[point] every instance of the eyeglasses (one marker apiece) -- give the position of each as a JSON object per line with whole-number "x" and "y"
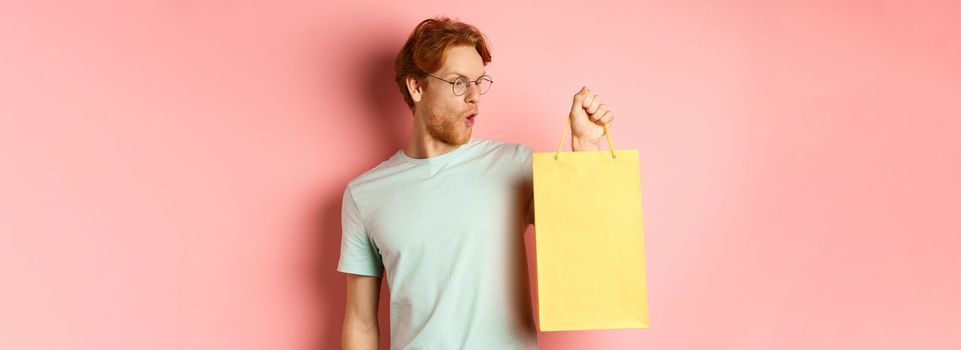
{"x": 459, "y": 85}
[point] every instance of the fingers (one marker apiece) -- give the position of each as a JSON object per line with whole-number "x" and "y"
{"x": 594, "y": 106}
{"x": 607, "y": 118}
{"x": 596, "y": 115}
{"x": 589, "y": 98}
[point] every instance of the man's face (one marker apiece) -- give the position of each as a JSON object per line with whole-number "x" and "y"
{"x": 444, "y": 114}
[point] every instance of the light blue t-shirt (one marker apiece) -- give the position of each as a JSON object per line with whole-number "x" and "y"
{"x": 449, "y": 231}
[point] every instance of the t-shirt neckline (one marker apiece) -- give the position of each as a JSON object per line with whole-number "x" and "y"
{"x": 435, "y": 159}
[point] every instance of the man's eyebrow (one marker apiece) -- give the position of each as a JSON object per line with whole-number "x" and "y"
{"x": 464, "y": 75}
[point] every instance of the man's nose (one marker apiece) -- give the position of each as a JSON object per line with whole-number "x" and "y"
{"x": 473, "y": 93}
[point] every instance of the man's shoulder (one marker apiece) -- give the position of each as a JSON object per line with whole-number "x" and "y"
{"x": 383, "y": 170}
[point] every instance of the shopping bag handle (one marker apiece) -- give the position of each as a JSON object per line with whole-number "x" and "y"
{"x": 567, "y": 123}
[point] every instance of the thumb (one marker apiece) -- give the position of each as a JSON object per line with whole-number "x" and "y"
{"x": 579, "y": 99}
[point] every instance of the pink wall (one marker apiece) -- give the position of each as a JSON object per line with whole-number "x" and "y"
{"x": 172, "y": 170}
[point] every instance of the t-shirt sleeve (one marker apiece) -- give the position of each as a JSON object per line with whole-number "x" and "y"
{"x": 358, "y": 254}
{"x": 527, "y": 176}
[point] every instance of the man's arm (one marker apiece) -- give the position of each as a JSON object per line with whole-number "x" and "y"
{"x": 361, "y": 331}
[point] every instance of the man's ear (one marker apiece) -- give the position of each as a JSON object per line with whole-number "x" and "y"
{"x": 414, "y": 88}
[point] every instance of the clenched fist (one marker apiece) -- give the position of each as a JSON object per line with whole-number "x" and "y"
{"x": 588, "y": 116}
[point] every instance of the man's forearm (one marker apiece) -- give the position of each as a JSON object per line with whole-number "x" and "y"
{"x": 359, "y": 338}
{"x": 584, "y": 145}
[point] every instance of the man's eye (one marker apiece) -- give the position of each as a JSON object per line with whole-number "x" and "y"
{"x": 459, "y": 83}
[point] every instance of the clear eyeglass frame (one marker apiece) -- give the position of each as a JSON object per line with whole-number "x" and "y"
{"x": 459, "y": 85}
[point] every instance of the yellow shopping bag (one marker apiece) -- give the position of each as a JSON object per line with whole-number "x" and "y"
{"x": 589, "y": 239}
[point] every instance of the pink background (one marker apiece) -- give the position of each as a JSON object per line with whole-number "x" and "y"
{"x": 173, "y": 170}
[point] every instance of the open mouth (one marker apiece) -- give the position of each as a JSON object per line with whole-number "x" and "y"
{"x": 470, "y": 119}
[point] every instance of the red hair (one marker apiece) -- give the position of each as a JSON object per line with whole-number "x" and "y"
{"x": 426, "y": 49}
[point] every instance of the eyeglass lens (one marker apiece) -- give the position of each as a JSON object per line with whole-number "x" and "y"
{"x": 461, "y": 83}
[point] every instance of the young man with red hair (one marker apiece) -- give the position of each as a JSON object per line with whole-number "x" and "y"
{"x": 445, "y": 216}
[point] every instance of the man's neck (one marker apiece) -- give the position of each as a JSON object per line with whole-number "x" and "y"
{"x": 426, "y": 147}
{"x": 422, "y": 145}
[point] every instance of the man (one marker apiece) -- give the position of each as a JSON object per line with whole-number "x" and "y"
{"x": 445, "y": 216}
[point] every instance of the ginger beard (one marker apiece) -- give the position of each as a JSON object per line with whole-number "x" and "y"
{"x": 449, "y": 127}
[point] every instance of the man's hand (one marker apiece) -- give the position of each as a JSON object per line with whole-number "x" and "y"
{"x": 588, "y": 116}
